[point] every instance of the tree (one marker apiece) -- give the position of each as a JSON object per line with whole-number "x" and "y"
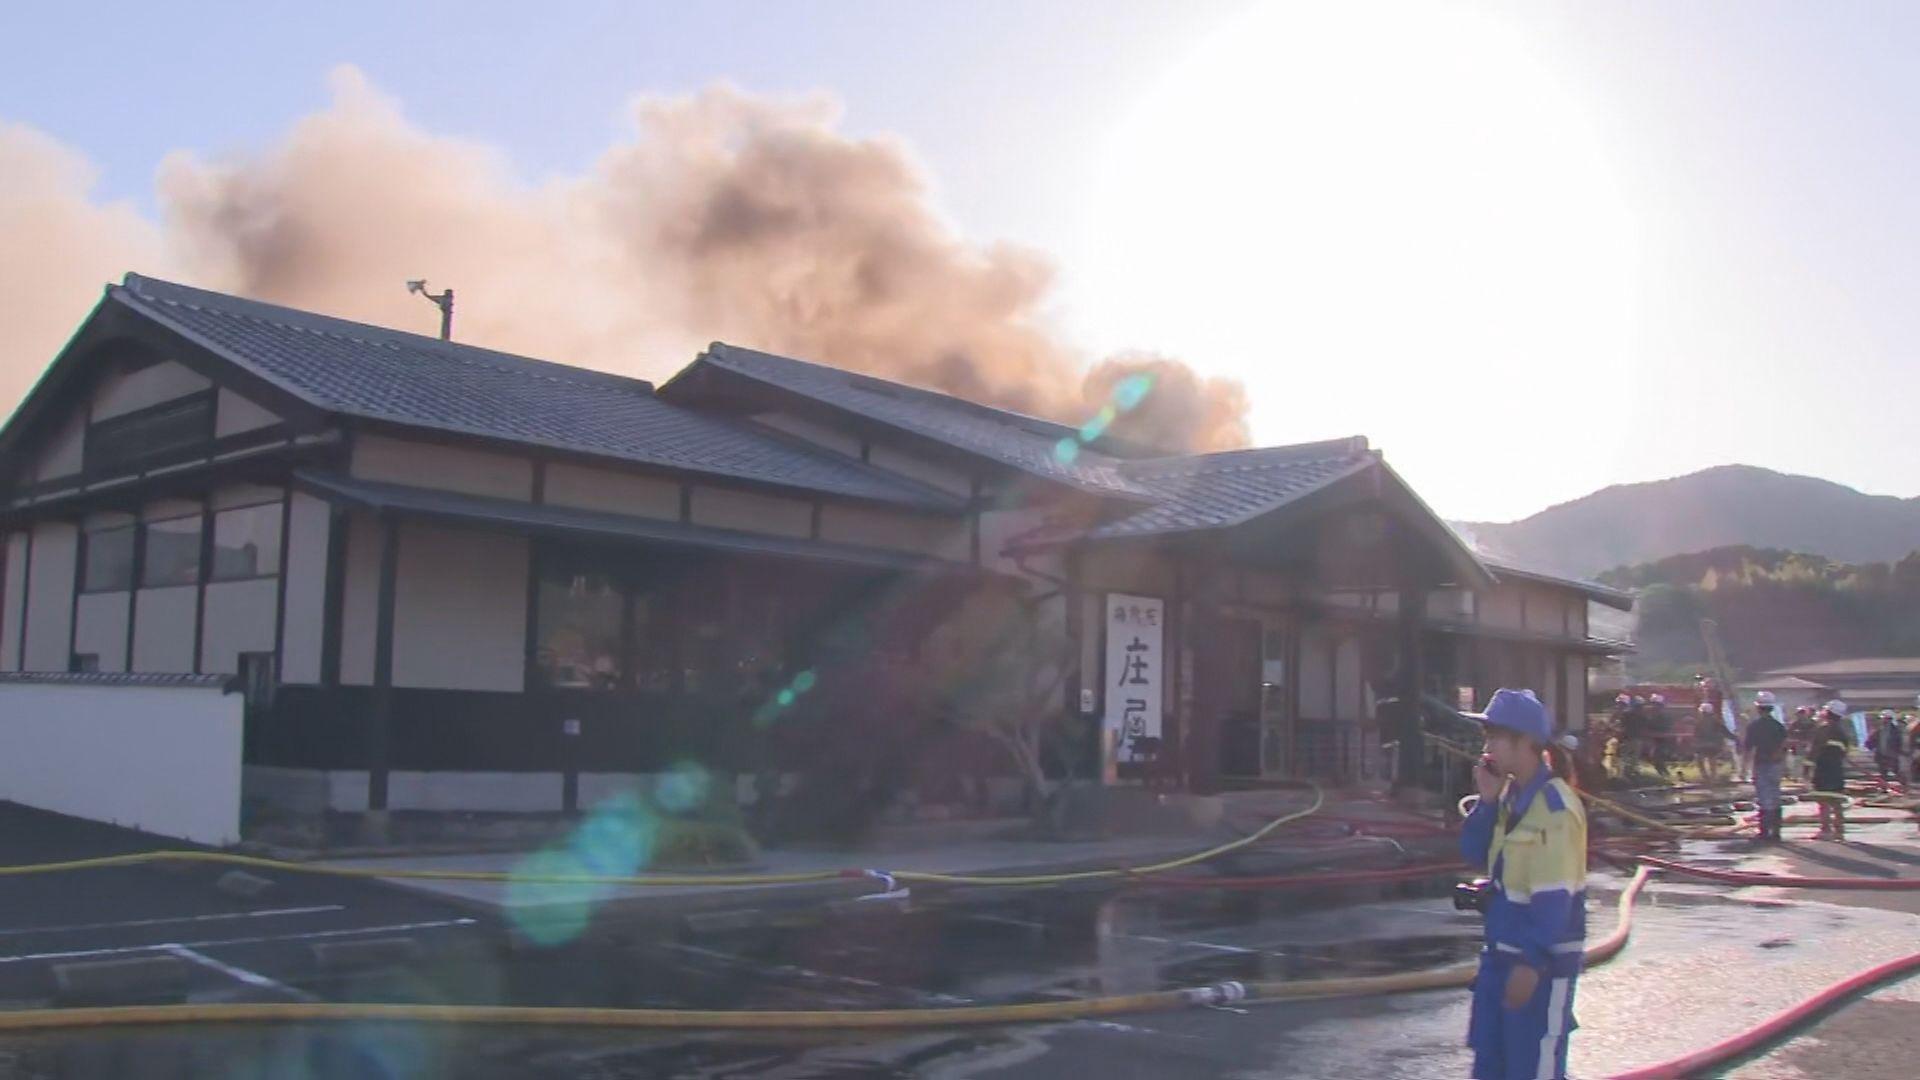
{"x": 1002, "y": 665}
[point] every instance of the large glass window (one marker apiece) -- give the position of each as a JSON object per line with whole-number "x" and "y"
{"x": 581, "y": 626}
{"x": 108, "y": 560}
{"x": 173, "y": 553}
{"x": 246, "y": 542}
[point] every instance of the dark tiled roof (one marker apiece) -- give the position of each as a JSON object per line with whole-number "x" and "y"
{"x": 119, "y": 678}
{"x": 1024, "y": 442}
{"x": 1207, "y": 491}
{"x": 1606, "y": 594}
{"x": 376, "y": 373}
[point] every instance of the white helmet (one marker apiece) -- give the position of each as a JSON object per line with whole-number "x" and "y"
{"x": 1763, "y": 699}
{"x": 1657, "y": 700}
{"x": 1706, "y": 706}
{"x": 1837, "y": 707}
{"x": 1886, "y": 714}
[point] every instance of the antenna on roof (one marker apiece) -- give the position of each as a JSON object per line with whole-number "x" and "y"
{"x": 443, "y": 301}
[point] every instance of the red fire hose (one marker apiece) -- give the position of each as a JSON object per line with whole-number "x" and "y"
{"x": 1743, "y": 877}
{"x": 1710, "y": 1059}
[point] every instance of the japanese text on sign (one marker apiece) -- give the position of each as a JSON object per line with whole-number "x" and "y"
{"x": 1134, "y": 672}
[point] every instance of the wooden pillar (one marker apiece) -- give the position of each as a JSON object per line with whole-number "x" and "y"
{"x": 26, "y": 594}
{"x": 205, "y": 575}
{"x": 334, "y": 605}
{"x": 380, "y": 731}
{"x": 1413, "y": 651}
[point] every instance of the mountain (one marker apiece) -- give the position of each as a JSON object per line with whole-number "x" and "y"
{"x": 1731, "y": 505}
{"x": 1774, "y": 609}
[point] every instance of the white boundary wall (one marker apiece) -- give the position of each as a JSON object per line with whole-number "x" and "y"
{"x": 165, "y": 759}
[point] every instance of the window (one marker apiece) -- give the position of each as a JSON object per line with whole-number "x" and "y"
{"x": 107, "y": 559}
{"x": 173, "y": 553}
{"x": 246, "y": 542}
{"x": 149, "y": 433}
{"x": 85, "y": 661}
{"x": 581, "y": 626}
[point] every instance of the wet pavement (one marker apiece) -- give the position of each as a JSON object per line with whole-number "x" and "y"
{"x": 1704, "y": 962}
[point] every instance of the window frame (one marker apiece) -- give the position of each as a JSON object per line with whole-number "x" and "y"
{"x": 199, "y": 518}
{"x": 210, "y": 573}
{"x": 132, "y": 529}
{"x": 198, "y": 445}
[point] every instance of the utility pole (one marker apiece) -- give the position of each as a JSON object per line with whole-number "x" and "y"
{"x": 443, "y": 301}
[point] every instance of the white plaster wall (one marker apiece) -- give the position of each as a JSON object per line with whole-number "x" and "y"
{"x": 998, "y": 528}
{"x": 10, "y": 596}
{"x": 244, "y": 495}
{"x": 1316, "y": 676}
{"x": 61, "y": 456}
{"x": 102, "y": 628}
{"x": 840, "y": 442}
{"x": 165, "y": 509}
{"x": 313, "y": 790}
{"x": 306, "y": 572}
{"x": 748, "y": 511}
{"x": 163, "y": 628}
{"x": 1576, "y": 707}
{"x": 460, "y": 618}
{"x": 614, "y": 492}
{"x": 921, "y": 534}
{"x": 359, "y": 610}
{"x": 953, "y": 481}
{"x": 1500, "y": 607}
{"x": 56, "y": 547}
{"x": 449, "y": 468}
{"x": 1347, "y": 681}
{"x": 123, "y": 393}
{"x": 163, "y": 759}
{"x": 234, "y": 414}
{"x": 240, "y": 617}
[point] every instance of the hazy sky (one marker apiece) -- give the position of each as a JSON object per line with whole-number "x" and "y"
{"x": 1529, "y": 249}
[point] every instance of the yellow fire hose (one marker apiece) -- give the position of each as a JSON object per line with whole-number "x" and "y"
{"x": 1226, "y": 993}
{"x": 255, "y": 862}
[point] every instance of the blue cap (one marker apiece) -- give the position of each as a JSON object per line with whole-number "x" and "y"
{"x": 1517, "y": 710}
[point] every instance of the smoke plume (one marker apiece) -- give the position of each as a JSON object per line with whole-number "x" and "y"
{"x": 726, "y": 215}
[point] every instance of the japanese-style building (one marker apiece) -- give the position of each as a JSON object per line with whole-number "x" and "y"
{"x": 444, "y": 577}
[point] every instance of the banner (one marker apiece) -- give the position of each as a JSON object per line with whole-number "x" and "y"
{"x": 1134, "y": 672}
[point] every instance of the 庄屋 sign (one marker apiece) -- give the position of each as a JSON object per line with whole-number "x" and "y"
{"x": 1133, "y": 675}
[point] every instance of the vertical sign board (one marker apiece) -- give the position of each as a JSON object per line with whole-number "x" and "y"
{"x": 1134, "y": 676}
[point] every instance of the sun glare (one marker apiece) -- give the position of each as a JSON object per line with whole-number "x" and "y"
{"x": 1384, "y": 219}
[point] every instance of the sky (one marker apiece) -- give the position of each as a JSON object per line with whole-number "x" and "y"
{"x": 1529, "y": 249}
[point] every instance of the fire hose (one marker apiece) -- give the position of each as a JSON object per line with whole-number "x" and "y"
{"x": 1217, "y": 994}
{"x": 1777, "y": 1027}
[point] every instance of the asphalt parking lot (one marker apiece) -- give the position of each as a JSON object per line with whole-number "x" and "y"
{"x": 227, "y": 941}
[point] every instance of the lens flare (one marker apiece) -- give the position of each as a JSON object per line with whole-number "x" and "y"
{"x": 684, "y": 787}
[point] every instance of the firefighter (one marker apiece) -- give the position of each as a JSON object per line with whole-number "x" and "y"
{"x": 1660, "y": 733}
{"x": 1764, "y": 749}
{"x": 1800, "y": 742}
{"x": 1529, "y": 831}
{"x": 1831, "y": 741}
{"x": 1709, "y": 741}
{"x": 1887, "y": 740}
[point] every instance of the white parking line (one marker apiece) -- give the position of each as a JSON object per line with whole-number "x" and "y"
{"x": 251, "y": 978}
{"x": 1025, "y": 924}
{"x": 791, "y": 969}
{"x": 18, "y": 931}
{"x": 76, "y": 953}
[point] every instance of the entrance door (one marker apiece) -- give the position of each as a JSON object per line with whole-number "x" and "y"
{"x": 1231, "y": 694}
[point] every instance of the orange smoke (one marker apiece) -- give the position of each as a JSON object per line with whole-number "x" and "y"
{"x": 727, "y": 216}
